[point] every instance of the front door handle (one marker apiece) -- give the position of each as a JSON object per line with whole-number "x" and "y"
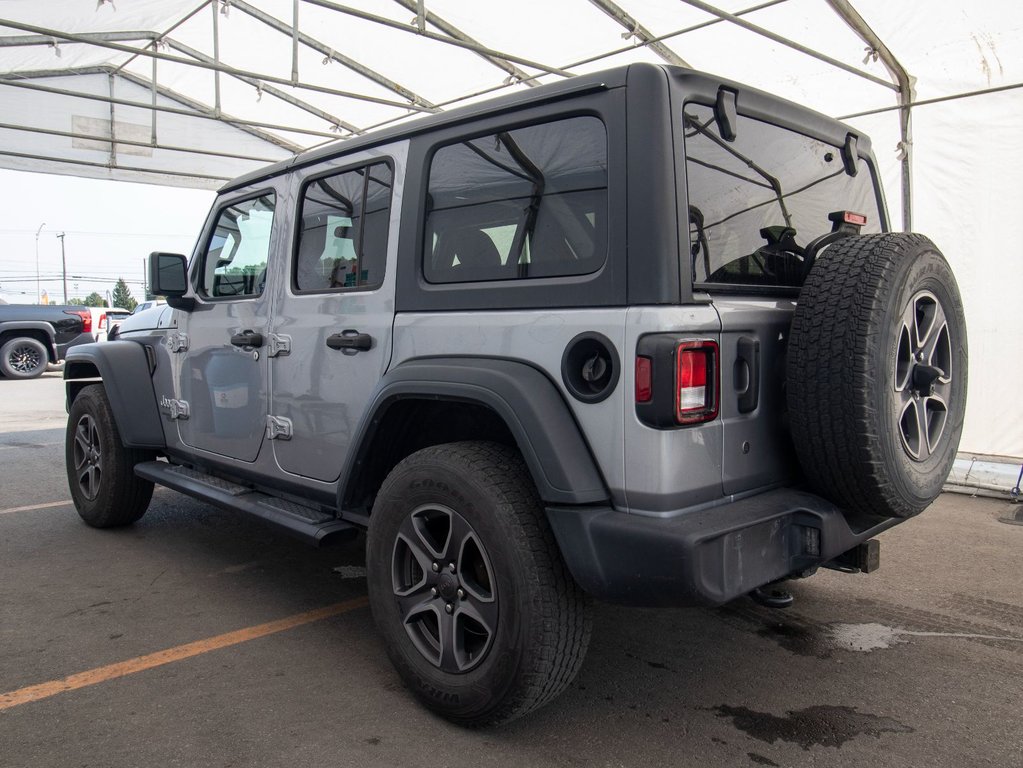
{"x": 350, "y": 340}
{"x": 247, "y": 339}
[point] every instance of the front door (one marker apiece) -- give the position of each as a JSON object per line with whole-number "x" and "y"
{"x": 331, "y": 331}
{"x": 221, "y": 361}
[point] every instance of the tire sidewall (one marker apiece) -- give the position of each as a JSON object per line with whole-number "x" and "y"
{"x": 918, "y": 482}
{"x": 93, "y": 404}
{"x": 472, "y": 693}
{"x": 13, "y": 344}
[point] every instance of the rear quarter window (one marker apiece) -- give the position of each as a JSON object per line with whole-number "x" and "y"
{"x": 517, "y": 204}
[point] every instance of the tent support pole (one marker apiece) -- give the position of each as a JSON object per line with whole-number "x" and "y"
{"x": 330, "y": 54}
{"x": 641, "y": 33}
{"x": 74, "y": 38}
{"x": 294, "y": 42}
{"x": 451, "y": 30}
{"x": 216, "y": 58}
{"x": 153, "y": 139}
{"x": 707, "y": 8}
{"x": 113, "y": 136}
{"x": 905, "y": 83}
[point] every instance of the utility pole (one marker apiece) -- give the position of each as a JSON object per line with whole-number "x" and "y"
{"x": 63, "y": 261}
{"x": 38, "y": 292}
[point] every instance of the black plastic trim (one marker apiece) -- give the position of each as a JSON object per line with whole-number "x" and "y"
{"x": 124, "y": 368}
{"x": 704, "y": 557}
{"x": 551, "y": 442}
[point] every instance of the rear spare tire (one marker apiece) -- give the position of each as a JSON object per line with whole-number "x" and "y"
{"x": 876, "y": 374}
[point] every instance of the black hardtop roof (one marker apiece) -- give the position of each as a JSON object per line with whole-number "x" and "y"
{"x": 611, "y": 78}
{"x": 796, "y": 116}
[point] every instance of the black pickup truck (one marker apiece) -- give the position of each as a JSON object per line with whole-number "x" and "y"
{"x": 32, "y": 336}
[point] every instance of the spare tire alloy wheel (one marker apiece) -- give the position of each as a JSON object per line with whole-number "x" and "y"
{"x": 877, "y": 374}
{"x": 476, "y": 608}
{"x": 23, "y": 358}
{"x": 923, "y": 375}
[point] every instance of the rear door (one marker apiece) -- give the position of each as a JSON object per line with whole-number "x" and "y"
{"x": 755, "y": 202}
{"x": 331, "y": 334}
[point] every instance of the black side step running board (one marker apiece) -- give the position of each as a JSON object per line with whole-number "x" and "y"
{"x": 310, "y": 524}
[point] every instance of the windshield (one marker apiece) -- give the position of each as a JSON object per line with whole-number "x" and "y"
{"x": 756, "y": 202}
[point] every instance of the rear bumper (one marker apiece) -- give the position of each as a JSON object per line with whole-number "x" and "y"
{"x": 702, "y": 557}
{"x": 82, "y": 338}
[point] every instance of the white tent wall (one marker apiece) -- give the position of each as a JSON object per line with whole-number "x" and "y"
{"x": 967, "y": 154}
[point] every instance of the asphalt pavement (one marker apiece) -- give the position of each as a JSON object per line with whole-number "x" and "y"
{"x": 202, "y": 638}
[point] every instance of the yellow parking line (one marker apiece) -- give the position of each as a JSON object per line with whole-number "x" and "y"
{"x": 29, "y": 508}
{"x": 177, "y": 653}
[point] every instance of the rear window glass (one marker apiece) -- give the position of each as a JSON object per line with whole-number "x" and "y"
{"x": 755, "y": 203}
{"x": 342, "y": 238}
{"x": 528, "y": 202}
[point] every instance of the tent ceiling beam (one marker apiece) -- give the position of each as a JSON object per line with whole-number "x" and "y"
{"x": 188, "y": 16}
{"x": 130, "y": 143}
{"x": 638, "y": 31}
{"x": 419, "y": 6}
{"x": 851, "y": 17}
{"x": 197, "y": 110}
{"x": 331, "y": 54}
{"x": 467, "y": 44}
{"x": 208, "y": 66}
{"x": 134, "y": 169}
{"x": 734, "y": 19}
{"x": 270, "y": 90}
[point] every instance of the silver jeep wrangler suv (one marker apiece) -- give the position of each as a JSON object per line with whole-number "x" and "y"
{"x": 640, "y": 336}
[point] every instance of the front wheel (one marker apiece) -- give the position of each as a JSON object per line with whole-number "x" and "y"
{"x": 100, "y": 469}
{"x": 476, "y": 607}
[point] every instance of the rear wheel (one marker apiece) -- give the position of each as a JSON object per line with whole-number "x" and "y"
{"x": 23, "y": 358}
{"x": 476, "y": 607}
{"x": 877, "y": 374}
{"x": 100, "y": 470}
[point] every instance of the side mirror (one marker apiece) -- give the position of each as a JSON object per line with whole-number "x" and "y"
{"x": 168, "y": 276}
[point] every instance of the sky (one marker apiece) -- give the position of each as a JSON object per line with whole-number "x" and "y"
{"x": 110, "y": 228}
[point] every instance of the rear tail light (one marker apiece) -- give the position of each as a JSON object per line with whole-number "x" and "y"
{"x": 86, "y": 317}
{"x": 696, "y": 382}
{"x": 102, "y": 322}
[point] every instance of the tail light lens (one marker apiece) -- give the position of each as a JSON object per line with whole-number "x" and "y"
{"x": 644, "y": 379}
{"x": 696, "y": 382}
{"x": 102, "y": 322}
{"x": 86, "y": 317}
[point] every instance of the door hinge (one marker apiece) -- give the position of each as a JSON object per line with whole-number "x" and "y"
{"x": 176, "y": 409}
{"x": 278, "y": 428}
{"x": 177, "y": 341}
{"x": 279, "y": 344}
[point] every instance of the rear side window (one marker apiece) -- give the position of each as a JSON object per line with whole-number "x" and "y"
{"x": 234, "y": 265}
{"x": 342, "y": 236}
{"x": 522, "y": 203}
{"x": 756, "y": 202}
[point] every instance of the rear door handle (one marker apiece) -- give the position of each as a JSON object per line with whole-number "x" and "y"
{"x": 350, "y": 340}
{"x": 748, "y": 356}
{"x": 247, "y": 339}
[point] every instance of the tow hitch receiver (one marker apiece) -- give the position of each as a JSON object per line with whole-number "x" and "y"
{"x": 863, "y": 558}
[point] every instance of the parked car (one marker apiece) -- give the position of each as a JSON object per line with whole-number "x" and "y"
{"x": 643, "y": 336}
{"x": 147, "y": 305}
{"x": 31, "y": 336}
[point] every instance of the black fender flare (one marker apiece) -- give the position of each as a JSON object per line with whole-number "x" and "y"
{"x": 550, "y": 440}
{"x": 124, "y": 367}
{"x": 34, "y": 325}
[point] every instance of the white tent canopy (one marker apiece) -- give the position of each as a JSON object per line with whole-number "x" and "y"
{"x": 192, "y": 93}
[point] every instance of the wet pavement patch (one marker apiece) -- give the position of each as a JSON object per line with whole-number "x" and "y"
{"x": 820, "y": 725}
{"x": 761, "y": 760}
{"x": 797, "y": 639}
